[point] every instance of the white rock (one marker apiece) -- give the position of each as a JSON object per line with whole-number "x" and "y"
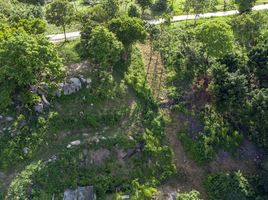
{"x": 76, "y": 142}
{"x": 1, "y": 117}
{"x": 76, "y": 81}
{"x": 125, "y": 197}
{"x": 9, "y": 119}
{"x": 25, "y": 150}
{"x": 88, "y": 80}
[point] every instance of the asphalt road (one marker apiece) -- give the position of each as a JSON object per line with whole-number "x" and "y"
{"x": 55, "y": 38}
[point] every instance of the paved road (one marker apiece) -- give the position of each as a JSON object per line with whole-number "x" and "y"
{"x": 73, "y": 35}
{"x": 55, "y": 38}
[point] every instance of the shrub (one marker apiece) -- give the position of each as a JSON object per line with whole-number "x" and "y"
{"x": 228, "y": 186}
{"x": 160, "y": 5}
{"x": 134, "y": 11}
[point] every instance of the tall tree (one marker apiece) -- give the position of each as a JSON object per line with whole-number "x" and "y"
{"x": 229, "y": 89}
{"x": 61, "y": 13}
{"x": 26, "y": 60}
{"x": 128, "y": 30}
{"x": 103, "y": 46}
{"x": 256, "y": 118}
{"x": 258, "y": 62}
{"x": 248, "y": 27}
{"x": 245, "y": 5}
{"x": 111, "y": 7}
{"x": 216, "y": 36}
{"x": 144, "y": 4}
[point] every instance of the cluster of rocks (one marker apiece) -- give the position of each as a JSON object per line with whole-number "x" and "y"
{"x": 72, "y": 86}
{"x": 69, "y": 87}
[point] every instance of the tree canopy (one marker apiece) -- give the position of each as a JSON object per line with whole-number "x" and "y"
{"x": 103, "y": 47}
{"x": 26, "y": 60}
{"x": 61, "y": 13}
{"x": 128, "y": 30}
{"x": 245, "y": 5}
{"x": 216, "y": 36}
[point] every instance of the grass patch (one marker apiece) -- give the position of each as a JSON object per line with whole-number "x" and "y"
{"x": 69, "y": 51}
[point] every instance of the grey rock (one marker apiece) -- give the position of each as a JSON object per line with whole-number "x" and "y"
{"x": 9, "y": 119}
{"x": 25, "y": 150}
{"x": 39, "y": 107}
{"x": 81, "y": 193}
{"x": 75, "y": 143}
{"x": 23, "y": 123}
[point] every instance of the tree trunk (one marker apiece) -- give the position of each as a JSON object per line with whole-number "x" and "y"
{"x": 224, "y": 5}
{"x": 64, "y": 31}
{"x": 187, "y": 19}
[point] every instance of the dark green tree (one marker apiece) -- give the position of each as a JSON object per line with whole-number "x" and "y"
{"x": 216, "y": 36}
{"x": 26, "y": 60}
{"x": 256, "y": 118}
{"x": 134, "y": 11}
{"x": 144, "y": 4}
{"x": 103, "y": 47}
{"x": 128, "y": 30}
{"x": 229, "y": 89}
{"x": 111, "y": 7}
{"x": 245, "y": 5}
{"x": 248, "y": 27}
{"x": 227, "y": 186}
{"x": 258, "y": 62}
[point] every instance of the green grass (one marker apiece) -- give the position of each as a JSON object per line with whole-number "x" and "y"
{"x": 178, "y": 6}
{"x": 69, "y": 51}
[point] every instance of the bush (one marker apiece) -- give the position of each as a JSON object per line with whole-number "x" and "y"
{"x": 228, "y": 186}
{"x": 160, "y": 5}
{"x": 134, "y": 11}
{"x": 193, "y": 195}
{"x": 216, "y": 136}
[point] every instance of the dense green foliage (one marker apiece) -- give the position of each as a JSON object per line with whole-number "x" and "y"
{"x": 245, "y": 5}
{"x": 103, "y": 47}
{"x": 134, "y": 11}
{"x": 193, "y": 195}
{"x": 128, "y": 30}
{"x": 228, "y": 186}
{"x": 235, "y": 80}
{"x": 25, "y": 61}
{"x": 216, "y": 36}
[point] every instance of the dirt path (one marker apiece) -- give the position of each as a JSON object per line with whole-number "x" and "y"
{"x": 192, "y": 173}
{"x": 155, "y": 72}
